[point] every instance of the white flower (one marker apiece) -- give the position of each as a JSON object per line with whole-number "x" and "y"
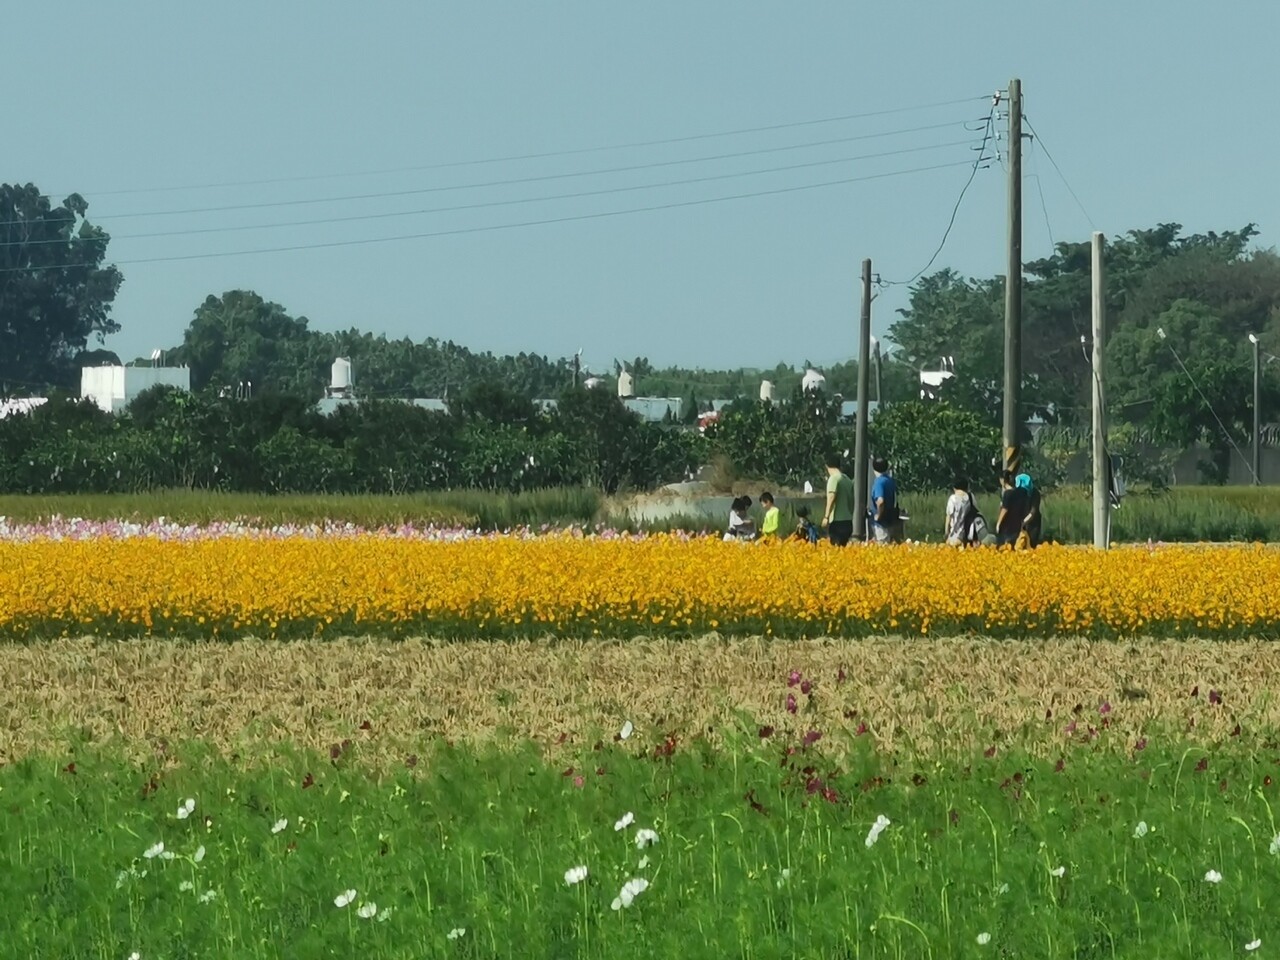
{"x": 1003, "y": 889}
{"x": 199, "y": 853}
{"x": 784, "y": 876}
{"x": 384, "y": 914}
{"x": 644, "y": 862}
{"x": 186, "y": 886}
{"x": 135, "y": 956}
{"x": 1058, "y": 872}
{"x": 626, "y": 820}
{"x": 628, "y": 728}
{"x": 984, "y": 938}
{"x": 279, "y": 825}
{"x": 1140, "y": 830}
{"x": 1275, "y": 845}
{"x": 630, "y": 890}
{"x": 1253, "y": 945}
{"x": 457, "y": 932}
{"x": 646, "y": 838}
{"x": 575, "y": 875}
{"x": 1213, "y": 876}
{"x": 877, "y": 828}
{"x": 154, "y": 851}
{"x": 187, "y": 808}
{"x": 208, "y": 896}
{"x": 367, "y": 911}
{"x": 344, "y": 899}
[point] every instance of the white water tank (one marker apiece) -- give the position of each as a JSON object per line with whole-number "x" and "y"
{"x": 813, "y": 380}
{"x": 626, "y": 386}
{"x": 766, "y": 390}
{"x": 340, "y": 376}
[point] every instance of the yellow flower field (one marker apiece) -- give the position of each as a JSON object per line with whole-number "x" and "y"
{"x": 581, "y": 587}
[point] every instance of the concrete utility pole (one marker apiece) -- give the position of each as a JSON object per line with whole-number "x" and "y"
{"x": 1257, "y": 409}
{"x": 860, "y": 430}
{"x": 1101, "y": 471}
{"x": 1013, "y": 288}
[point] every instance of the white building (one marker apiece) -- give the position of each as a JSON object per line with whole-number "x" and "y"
{"x": 114, "y": 388}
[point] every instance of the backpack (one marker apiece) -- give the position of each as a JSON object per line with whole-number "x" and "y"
{"x": 975, "y": 524}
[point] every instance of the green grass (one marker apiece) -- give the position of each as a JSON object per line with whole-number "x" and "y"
{"x": 463, "y": 507}
{"x": 753, "y": 860}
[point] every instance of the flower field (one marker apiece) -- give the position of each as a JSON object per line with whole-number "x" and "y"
{"x": 317, "y": 739}
{"x": 570, "y": 585}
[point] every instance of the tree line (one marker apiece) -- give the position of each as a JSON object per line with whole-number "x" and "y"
{"x": 1206, "y": 291}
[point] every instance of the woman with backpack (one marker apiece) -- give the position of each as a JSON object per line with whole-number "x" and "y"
{"x": 964, "y": 524}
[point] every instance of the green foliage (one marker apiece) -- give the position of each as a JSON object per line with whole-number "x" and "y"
{"x": 786, "y": 441}
{"x": 930, "y": 443}
{"x": 55, "y": 295}
{"x": 278, "y": 443}
{"x": 464, "y": 852}
{"x": 1206, "y": 290}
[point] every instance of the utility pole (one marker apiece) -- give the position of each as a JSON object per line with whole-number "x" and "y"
{"x": 1257, "y": 409}
{"x": 860, "y": 430}
{"x": 1101, "y": 471}
{"x": 1013, "y": 288}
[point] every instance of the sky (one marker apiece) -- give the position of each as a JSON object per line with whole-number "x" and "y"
{"x": 168, "y": 118}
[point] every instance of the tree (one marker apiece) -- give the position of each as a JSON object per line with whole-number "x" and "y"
{"x": 240, "y": 337}
{"x": 55, "y": 293}
{"x": 929, "y": 443}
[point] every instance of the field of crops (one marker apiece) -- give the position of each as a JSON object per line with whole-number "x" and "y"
{"x": 567, "y": 585}
{"x": 317, "y": 741}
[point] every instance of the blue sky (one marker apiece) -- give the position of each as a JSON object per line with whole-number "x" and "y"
{"x": 1154, "y": 112}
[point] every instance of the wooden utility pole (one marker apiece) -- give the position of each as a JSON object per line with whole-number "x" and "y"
{"x": 1257, "y": 409}
{"x": 860, "y": 430}
{"x": 1013, "y": 289}
{"x": 1101, "y": 471}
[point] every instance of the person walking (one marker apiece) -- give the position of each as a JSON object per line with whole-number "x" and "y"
{"x": 838, "y": 518}
{"x": 886, "y": 518}
{"x": 960, "y": 526}
{"x": 1014, "y": 502}
{"x": 1033, "y": 521}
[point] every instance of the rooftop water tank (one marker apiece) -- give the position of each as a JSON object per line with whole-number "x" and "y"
{"x": 626, "y": 386}
{"x": 766, "y": 390}
{"x": 813, "y": 380}
{"x": 340, "y": 375}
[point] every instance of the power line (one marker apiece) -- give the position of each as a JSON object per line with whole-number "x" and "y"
{"x": 493, "y": 203}
{"x": 977, "y": 163}
{"x": 548, "y": 154}
{"x": 1035, "y": 135}
{"x": 308, "y": 201}
{"x": 507, "y": 226}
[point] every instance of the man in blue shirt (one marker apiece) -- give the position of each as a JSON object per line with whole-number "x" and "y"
{"x": 884, "y": 513}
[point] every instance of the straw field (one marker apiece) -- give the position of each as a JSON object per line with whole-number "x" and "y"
{"x": 932, "y": 699}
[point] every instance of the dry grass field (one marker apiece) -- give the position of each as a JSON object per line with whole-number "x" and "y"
{"x": 393, "y": 699}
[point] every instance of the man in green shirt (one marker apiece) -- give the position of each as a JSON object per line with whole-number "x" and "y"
{"x": 838, "y": 518}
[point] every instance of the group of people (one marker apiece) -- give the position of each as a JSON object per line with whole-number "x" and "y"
{"x": 1019, "y": 523}
{"x": 884, "y": 518}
